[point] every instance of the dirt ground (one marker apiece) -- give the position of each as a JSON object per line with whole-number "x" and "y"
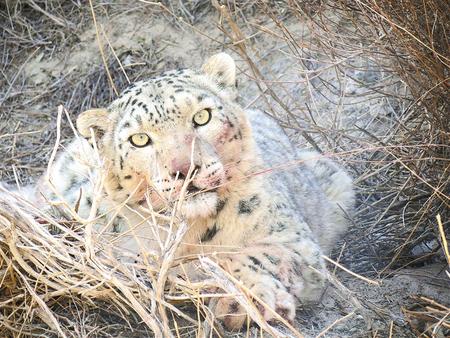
{"x": 52, "y": 56}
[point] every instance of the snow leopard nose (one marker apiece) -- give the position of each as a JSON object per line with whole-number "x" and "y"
{"x": 180, "y": 170}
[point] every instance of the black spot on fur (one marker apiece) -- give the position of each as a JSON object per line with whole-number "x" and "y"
{"x": 247, "y": 206}
{"x": 262, "y": 267}
{"x": 210, "y": 233}
{"x": 116, "y": 224}
{"x": 127, "y": 177}
{"x": 278, "y": 227}
{"x": 255, "y": 260}
{"x": 73, "y": 183}
{"x": 253, "y": 268}
{"x": 272, "y": 259}
{"x": 158, "y": 111}
{"x": 231, "y": 124}
{"x": 234, "y": 307}
{"x": 220, "y": 205}
{"x": 280, "y": 206}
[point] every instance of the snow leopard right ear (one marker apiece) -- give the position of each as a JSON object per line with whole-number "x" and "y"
{"x": 222, "y": 69}
{"x": 96, "y": 119}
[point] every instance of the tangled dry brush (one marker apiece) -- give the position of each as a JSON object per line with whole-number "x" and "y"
{"x": 367, "y": 84}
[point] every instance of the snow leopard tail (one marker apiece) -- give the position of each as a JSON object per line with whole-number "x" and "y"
{"x": 334, "y": 181}
{"x": 337, "y": 185}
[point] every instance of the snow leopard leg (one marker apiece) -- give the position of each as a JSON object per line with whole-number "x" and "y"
{"x": 280, "y": 271}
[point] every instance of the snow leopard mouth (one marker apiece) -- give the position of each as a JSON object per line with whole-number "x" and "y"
{"x": 194, "y": 190}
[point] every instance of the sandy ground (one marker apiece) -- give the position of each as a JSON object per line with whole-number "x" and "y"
{"x": 148, "y": 42}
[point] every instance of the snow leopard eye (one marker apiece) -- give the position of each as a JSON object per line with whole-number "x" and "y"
{"x": 202, "y": 117}
{"x": 140, "y": 140}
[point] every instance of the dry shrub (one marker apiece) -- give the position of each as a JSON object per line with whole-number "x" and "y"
{"x": 417, "y": 43}
{"x": 428, "y": 318}
{"x": 395, "y": 57}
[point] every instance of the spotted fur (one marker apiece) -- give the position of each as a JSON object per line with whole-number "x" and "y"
{"x": 273, "y": 228}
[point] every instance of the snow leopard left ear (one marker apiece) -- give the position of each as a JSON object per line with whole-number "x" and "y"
{"x": 222, "y": 69}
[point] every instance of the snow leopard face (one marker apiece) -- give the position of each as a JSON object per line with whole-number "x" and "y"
{"x": 181, "y": 126}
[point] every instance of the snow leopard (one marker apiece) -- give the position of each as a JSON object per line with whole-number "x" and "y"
{"x": 265, "y": 210}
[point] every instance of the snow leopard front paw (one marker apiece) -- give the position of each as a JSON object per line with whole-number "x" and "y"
{"x": 270, "y": 298}
{"x": 276, "y": 276}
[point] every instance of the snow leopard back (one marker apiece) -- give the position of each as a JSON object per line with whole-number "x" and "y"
{"x": 320, "y": 192}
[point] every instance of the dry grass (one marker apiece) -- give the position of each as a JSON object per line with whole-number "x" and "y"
{"x": 428, "y": 318}
{"x": 365, "y": 82}
{"x": 49, "y": 265}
